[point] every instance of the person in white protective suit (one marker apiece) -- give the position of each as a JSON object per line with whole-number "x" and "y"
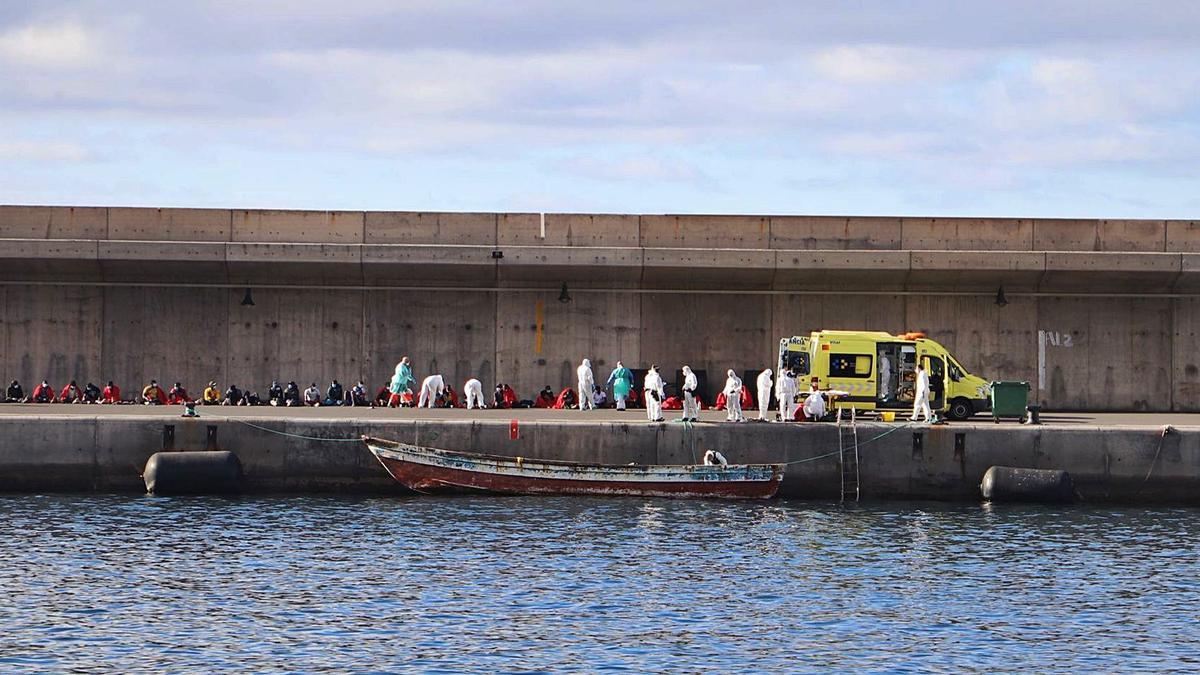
{"x": 431, "y": 388}
{"x": 715, "y": 458}
{"x": 787, "y": 396}
{"x": 764, "y": 394}
{"x": 473, "y": 392}
{"x": 691, "y": 410}
{"x": 733, "y": 398}
{"x": 885, "y": 377}
{"x": 653, "y": 390}
{"x": 587, "y": 385}
{"x": 921, "y": 396}
{"x": 814, "y": 405}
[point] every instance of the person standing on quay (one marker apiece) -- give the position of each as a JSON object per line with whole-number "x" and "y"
{"x": 586, "y": 385}
{"x": 733, "y": 398}
{"x": 691, "y": 411}
{"x": 764, "y": 394}
{"x": 402, "y": 381}
{"x": 621, "y": 380}
{"x": 921, "y": 397}
{"x": 473, "y": 392}
{"x": 653, "y": 389}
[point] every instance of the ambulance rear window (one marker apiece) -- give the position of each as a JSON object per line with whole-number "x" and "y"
{"x": 797, "y": 362}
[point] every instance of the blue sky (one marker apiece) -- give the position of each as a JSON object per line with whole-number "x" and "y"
{"x": 1070, "y": 109}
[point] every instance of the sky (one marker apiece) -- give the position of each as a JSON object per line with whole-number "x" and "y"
{"x": 1085, "y": 108}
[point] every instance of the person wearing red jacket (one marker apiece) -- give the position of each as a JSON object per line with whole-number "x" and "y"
{"x": 44, "y": 393}
{"x": 545, "y": 398}
{"x": 178, "y": 395}
{"x": 71, "y": 393}
{"x": 111, "y": 393}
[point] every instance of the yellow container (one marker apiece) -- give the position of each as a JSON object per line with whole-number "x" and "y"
{"x": 889, "y": 416}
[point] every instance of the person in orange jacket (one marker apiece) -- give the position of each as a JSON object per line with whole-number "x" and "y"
{"x": 153, "y": 394}
{"x": 111, "y": 393}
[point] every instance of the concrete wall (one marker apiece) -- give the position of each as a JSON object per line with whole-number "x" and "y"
{"x": 108, "y": 453}
{"x": 616, "y": 230}
{"x": 1103, "y": 314}
{"x": 1098, "y": 353}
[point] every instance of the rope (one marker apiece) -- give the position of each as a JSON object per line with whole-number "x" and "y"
{"x": 687, "y": 427}
{"x": 831, "y": 454}
{"x": 1161, "y": 437}
{"x": 291, "y": 435}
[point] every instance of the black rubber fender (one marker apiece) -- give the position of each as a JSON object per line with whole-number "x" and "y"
{"x": 193, "y": 472}
{"x": 1015, "y": 484}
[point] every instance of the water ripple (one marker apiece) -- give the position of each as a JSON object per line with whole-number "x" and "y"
{"x": 141, "y": 584}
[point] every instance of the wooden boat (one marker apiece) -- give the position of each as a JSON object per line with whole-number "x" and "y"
{"x": 431, "y": 470}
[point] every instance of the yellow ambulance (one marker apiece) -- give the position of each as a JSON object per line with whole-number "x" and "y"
{"x": 878, "y": 370}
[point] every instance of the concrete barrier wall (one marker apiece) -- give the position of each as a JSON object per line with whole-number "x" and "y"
{"x": 613, "y": 230}
{"x": 1077, "y": 353}
{"x": 108, "y": 453}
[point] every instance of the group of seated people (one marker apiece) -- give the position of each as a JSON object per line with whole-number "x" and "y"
{"x": 72, "y": 393}
{"x": 154, "y": 394}
{"x": 290, "y": 395}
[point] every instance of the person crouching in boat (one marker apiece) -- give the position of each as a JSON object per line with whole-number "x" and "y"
{"x": 653, "y": 388}
{"x": 715, "y": 458}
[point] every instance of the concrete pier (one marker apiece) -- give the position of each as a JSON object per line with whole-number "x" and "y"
{"x": 74, "y": 448}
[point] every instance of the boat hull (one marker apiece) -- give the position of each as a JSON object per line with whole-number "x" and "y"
{"x": 431, "y": 470}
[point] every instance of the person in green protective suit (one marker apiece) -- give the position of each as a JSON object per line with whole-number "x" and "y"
{"x": 621, "y": 381}
{"x": 402, "y": 380}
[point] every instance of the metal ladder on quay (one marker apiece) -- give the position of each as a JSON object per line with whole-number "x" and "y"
{"x": 848, "y": 455}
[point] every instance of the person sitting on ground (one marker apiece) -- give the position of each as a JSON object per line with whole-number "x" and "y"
{"x": 599, "y": 398}
{"x": 15, "y": 393}
{"x": 449, "y": 397}
{"x": 291, "y": 395}
{"x": 178, "y": 395}
{"x": 91, "y": 393}
{"x": 357, "y": 395}
{"x": 111, "y": 394}
{"x": 71, "y": 393}
{"x": 233, "y": 396}
{"x": 44, "y": 393}
{"x": 545, "y": 398}
{"x": 252, "y": 398}
{"x": 212, "y": 395}
{"x": 275, "y": 394}
{"x": 383, "y": 396}
{"x": 334, "y": 395}
{"x": 312, "y": 395}
{"x": 498, "y": 396}
{"x": 152, "y": 394}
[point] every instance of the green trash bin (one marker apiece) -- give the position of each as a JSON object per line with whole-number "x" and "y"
{"x": 1009, "y": 399}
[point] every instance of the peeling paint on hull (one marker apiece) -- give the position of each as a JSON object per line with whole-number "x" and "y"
{"x": 434, "y": 470}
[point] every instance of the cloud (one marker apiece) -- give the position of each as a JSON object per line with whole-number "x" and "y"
{"x": 636, "y": 169}
{"x": 42, "y": 151}
{"x": 51, "y": 45}
{"x": 667, "y": 93}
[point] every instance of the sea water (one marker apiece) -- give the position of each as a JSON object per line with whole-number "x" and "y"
{"x": 135, "y": 583}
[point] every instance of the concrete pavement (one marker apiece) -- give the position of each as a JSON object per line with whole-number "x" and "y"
{"x": 607, "y": 415}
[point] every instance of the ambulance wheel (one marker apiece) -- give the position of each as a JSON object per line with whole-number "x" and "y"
{"x": 960, "y": 409}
